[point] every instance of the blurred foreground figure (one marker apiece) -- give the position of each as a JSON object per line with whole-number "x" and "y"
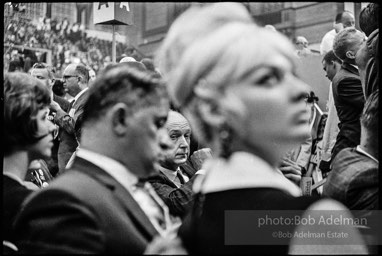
{"x": 101, "y": 204}
{"x": 27, "y": 135}
{"x": 236, "y": 85}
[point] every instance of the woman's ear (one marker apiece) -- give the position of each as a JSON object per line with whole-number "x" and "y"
{"x": 211, "y": 113}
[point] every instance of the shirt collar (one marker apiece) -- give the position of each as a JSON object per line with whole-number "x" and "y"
{"x": 169, "y": 173}
{"x": 355, "y": 66}
{"x": 244, "y": 170}
{"x": 360, "y": 150}
{"x": 80, "y": 93}
{"x": 118, "y": 171}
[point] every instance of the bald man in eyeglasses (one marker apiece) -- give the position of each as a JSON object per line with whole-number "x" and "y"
{"x": 76, "y": 80}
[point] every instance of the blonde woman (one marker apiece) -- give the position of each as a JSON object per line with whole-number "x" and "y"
{"x": 236, "y": 83}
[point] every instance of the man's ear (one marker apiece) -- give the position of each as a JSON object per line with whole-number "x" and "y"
{"x": 119, "y": 118}
{"x": 350, "y": 54}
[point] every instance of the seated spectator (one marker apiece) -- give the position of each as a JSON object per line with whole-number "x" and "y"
{"x": 175, "y": 180}
{"x": 27, "y": 135}
{"x": 354, "y": 176}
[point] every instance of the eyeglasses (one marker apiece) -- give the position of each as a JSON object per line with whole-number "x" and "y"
{"x": 67, "y": 77}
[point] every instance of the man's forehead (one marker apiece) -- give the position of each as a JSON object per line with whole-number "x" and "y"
{"x": 42, "y": 72}
{"x": 176, "y": 120}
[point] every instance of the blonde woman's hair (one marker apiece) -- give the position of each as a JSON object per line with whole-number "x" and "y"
{"x": 198, "y": 21}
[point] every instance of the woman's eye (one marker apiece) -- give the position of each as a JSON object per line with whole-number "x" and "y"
{"x": 269, "y": 78}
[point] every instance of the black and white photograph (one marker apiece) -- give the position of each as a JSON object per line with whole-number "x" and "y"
{"x": 176, "y": 128}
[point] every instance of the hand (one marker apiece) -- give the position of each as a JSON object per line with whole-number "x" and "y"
{"x": 198, "y": 157}
{"x": 165, "y": 246}
{"x": 291, "y": 170}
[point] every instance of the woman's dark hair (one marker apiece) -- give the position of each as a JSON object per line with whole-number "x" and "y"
{"x": 24, "y": 96}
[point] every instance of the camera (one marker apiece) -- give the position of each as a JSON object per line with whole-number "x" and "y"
{"x": 58, "y": 88}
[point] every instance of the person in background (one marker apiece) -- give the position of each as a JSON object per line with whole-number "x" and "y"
{"x": 342, "y": 20}
{"x": 301, "y": 44}
{"x": 27, "y": 135}
{"x": 76, "y": 79}
{"x": 347, "y": 89}
{"x": 176, "y": 178}
{"x": 15, "y": 65}
{"x": 367, "y": 58}
{"x": 354, "y": 176}
{"x": 331, "y": 64}
{"x": 92, "y": 76}
{"x": 44, "y": 73}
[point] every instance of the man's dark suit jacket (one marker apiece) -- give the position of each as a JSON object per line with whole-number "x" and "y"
{"x": 13, "y": 196}
{"x": 349, "y": 100}
{"x": 70, "y": 131}
{"x": 84, "y": 210}
{"x": 353, "y": 180}
{"x": 178, "y": 200}
{"x": 53, "y": 161}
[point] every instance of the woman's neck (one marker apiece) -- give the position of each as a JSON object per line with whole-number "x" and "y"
{"x": 16, "y": 163}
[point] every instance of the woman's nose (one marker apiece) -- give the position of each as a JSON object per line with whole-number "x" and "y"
{"x": 300, "y": 89}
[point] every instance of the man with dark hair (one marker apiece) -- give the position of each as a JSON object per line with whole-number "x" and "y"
{"x": 102, "y": 205}
{"x": 76, "y": 79}
{"x": 331, "y": 64}
{"x": 342, "y": 20}
{"x": 354, "y": 177}
{"x": 347, "y": 89}
{"x": 369, "y": 18}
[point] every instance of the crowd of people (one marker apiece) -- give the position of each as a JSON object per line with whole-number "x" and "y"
{"x": 69, "y": 43}
{"x": 165, "y": 156}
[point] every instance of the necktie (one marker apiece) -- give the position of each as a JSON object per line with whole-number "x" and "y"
{"x": 156, "y": 210}
{"x": 180, "y": 177}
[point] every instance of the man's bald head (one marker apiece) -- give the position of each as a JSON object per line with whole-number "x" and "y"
{"x": 176, "y": 120}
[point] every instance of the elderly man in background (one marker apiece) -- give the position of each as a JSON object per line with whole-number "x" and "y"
{"x": 176, "y": 175}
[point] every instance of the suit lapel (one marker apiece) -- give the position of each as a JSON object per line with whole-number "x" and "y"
{"x": 350, "y": 68}
{"x": 121, "y": 194}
